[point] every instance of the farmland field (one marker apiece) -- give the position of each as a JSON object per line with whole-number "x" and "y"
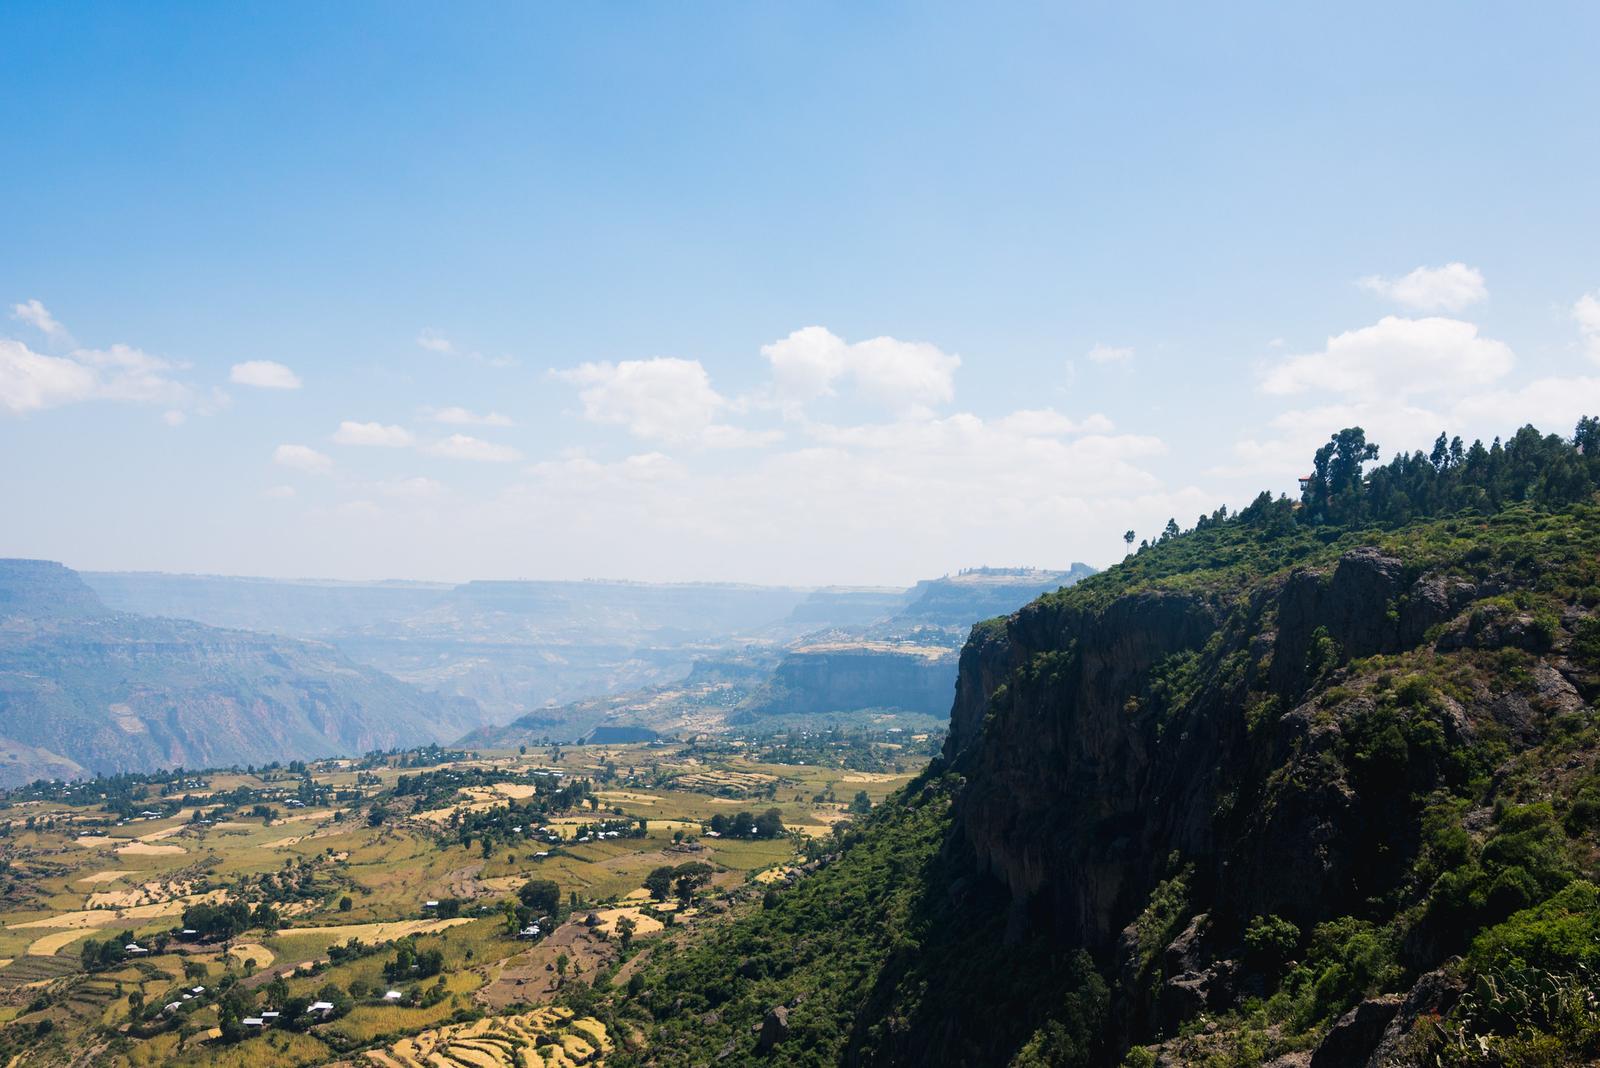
{"x": 387, "y": 888}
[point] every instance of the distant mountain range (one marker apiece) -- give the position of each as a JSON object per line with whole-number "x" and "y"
{"x": 85, "y": 689}
{"x": 537, "y": 647}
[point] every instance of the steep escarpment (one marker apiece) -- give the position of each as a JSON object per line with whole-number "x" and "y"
{"x": 1160, "y": 771}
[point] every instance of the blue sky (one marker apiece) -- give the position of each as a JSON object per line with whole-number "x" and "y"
{"x": 782, "y": 293}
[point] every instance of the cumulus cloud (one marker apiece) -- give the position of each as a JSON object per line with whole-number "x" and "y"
{"x": 463, "y": 447}
{"x": 302, "y": 458}
{"x": 263, "y": 374}
{"x": 1449, "y": 288}
{"x": 1587, "y": 312}
{"x": 465, "y": 417}
{"x": 664, "y": 398}
{"x": 904, "y": 375}
{"x": 38, "y": 316}
{"x": 1396, "y": 357}
{"x": 30, "y": 381}
{"x": 376, "y": 434}
{"x": 1110, "y": 354}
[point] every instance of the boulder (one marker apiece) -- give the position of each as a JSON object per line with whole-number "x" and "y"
{"x": 1354, "y": 1036}
{"x": 774, "y": 1029}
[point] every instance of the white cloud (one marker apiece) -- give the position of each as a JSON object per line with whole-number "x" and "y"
{"x": 392, "y": 437}
{"x": 174, "y": 417}
{"x": 281, "y": 493}
{"x": 1449, "y": 288}
{"x": 302, "y": 458}
{"x": 38, "y": 316}
{"x": 1110, "y": 354}
{"x": 664, "y": 398}
{"x": 462, "y": 447}
{"x": 30, "y": 381}
{"x": 904, "y": 375}
{"x": 263, "y": 374}
{"x": 1397, "y": 358}
{"x": 1586, "y": 310}
{"x": 465, "y": 417}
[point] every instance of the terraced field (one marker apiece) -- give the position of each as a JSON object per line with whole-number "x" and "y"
{"x": 550, "y": 1037}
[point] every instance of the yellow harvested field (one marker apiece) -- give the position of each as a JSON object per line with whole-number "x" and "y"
{"x": 145, "y": 849}
{"x": 772, "y": 875}
{"x": 377, "y": 932}
{"x": 51, "y": 944}
{"x": 104, "y": 876}
{"x": 244, "y": 951}
{"x": 503, "y": 791}
{"x": 95, "y": 841}
{"x": 522, "y": 1041}
{"x": 85, "y": 918}
{"x": 145, "y": 894}
{"x": 166, "y": 832}
{"x": 642, "y": 924}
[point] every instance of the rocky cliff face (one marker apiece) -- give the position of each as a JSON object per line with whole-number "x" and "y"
{"x": 846, "y": 677}
{"x": 1220, "y": 739}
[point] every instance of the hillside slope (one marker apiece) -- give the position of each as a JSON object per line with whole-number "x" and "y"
{"x": 98, "y": 691}
{"x": 1314, "y": 785}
